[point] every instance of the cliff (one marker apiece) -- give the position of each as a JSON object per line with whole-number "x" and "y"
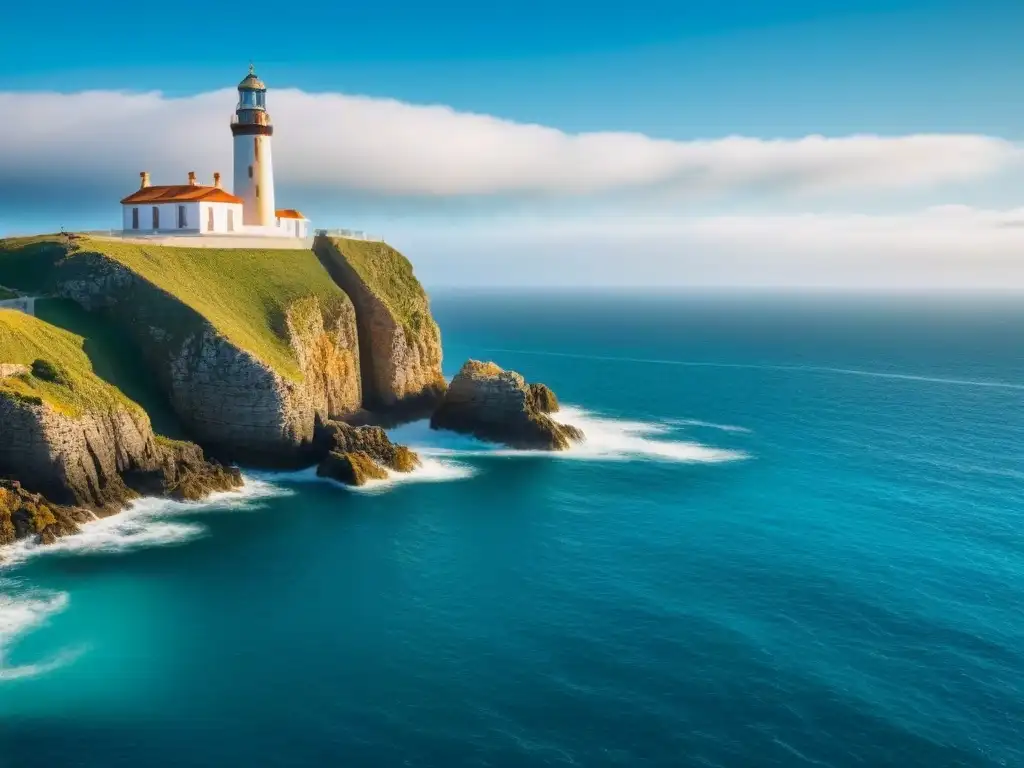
{"x": 253, "y": 348}
{"x": 78, "y": 439}
{"x": 399, "y": 342}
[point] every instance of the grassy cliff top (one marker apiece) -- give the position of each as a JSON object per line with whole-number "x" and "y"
{"x": 389, "y": 276}
{"x": 243, "y": 292}
{"x": 65, "y": 379}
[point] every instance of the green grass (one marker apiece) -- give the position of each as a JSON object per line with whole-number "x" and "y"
{"x": 389, "y": 276}
{"x": 25, "y": 340}
{"x": 243, "y": 293}
{"x": 115, "y": 359}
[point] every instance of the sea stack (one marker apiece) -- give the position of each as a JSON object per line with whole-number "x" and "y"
{"x": 490, "y": 403}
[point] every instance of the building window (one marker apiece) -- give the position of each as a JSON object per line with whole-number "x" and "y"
{"x": 209, "y": 219}
{"x": 182, "y": 218}
{"x": 256, "y": 147}
{"x": 257, "y": 190}
{"x": 156, "y": 217}
{"x": 231, "y": 219}
{"x": 135, "y": 218}
{"x": 250, "y": 171}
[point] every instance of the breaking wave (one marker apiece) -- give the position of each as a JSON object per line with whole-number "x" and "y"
{"x": 431, "y": 470}
{"x": 147, "y": 522}
{"x": 607, "y": 439}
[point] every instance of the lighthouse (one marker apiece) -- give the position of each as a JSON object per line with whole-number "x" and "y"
{"x": 171, "y": 211}
{"x": 254, "y": 169}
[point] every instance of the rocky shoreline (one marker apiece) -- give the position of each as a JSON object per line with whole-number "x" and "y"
{"x": 308, "y": 366}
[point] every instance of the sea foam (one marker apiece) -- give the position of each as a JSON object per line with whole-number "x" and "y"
{"x": 22, "y": 614}
{"x": 607, "y": 439}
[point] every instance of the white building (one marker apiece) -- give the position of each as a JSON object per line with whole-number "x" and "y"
{"x": 196, "y": 209}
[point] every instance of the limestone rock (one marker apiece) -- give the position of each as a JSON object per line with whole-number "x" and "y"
{"x": 373, "y": 441}
{"x": 498, "y": 405}
{"x": 399, "y": 342}
{"x": 352, "y": 468}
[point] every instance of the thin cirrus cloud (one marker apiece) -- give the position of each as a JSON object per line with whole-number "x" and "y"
{"x": 329, "y": 143}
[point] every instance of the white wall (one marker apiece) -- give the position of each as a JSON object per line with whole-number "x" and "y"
{"x": 287, "y": 227}
{"x": 258, "y": 211}
{"x": 168, "y": 217}
{"x": 197, "y": 217}
{"x": 220, "y": 217}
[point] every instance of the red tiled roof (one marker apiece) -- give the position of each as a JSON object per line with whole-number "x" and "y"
{"x": 288, "y": 213}
{"x": 181, "y": 193}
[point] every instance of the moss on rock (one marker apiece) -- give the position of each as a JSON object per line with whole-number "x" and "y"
{"x": 352, "y": 468}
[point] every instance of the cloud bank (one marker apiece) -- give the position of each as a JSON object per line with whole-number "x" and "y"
{"x": 331, "y": 142}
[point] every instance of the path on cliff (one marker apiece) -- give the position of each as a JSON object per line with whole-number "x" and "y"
{"x": 26, "y": 304}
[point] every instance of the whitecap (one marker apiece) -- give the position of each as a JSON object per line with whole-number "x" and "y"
{"x": 23, "y": 614}
{"x": 707, "y": 425}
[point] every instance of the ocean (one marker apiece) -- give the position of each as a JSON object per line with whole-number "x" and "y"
{"x": 794, "y": 537}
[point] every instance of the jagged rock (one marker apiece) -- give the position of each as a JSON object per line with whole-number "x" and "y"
{"x": 352, "y": 468}
{"x": 24, "y": 515}
{"x": 493, "y": 404}
{"x": 543, "y": 399}
{"x": 339, "y": 437}
{"x": 399, "y": 342}
{"x": 184, "y": 473}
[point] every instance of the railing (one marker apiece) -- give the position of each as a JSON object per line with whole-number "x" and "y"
{"x": 350, "y": 234}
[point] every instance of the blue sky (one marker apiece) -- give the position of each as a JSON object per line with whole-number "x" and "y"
{"x": 688, "y": 72}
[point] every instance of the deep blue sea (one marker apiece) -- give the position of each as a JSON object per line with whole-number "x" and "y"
{"x": 795, "y": 537}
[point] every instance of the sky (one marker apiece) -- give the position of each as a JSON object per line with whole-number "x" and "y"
{"x": 854, "y": 144}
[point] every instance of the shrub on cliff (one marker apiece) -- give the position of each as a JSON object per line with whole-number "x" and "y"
{"x": 51, "y": 372}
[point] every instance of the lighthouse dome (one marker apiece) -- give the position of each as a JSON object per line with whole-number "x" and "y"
{"x": 251, "y": 82}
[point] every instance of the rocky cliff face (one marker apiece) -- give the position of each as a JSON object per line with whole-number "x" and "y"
{"x": 399, "y": 342}
{"x": 100, "y": 460}
{"x": 77, "y": 460}
{"x": 491, "y": 403}
{"x": 226, "y": 397}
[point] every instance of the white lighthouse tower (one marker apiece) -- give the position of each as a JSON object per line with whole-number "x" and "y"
{"x": 254, "y": 169}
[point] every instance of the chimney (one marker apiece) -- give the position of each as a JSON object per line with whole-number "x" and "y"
{"x": 216, "y": 179}
{"x": 145, "y": 179}
{"x": 192, "y": 179}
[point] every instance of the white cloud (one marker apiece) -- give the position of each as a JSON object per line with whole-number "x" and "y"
{"x": 950, "y": 247}
{"x": 335, "y": 142}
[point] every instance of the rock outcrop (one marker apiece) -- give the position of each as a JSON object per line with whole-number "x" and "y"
{"x": 354, "y": 468}
{"x": 399, "y": 342}
{"x": 493, "y": 404}
{"x": 25, "y": 515}
{"x": 358, "y": 454}
{"x": 229, "y": 399}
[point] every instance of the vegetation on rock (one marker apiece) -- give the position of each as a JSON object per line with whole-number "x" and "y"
{"x": 543, "y": 399}
{"x": 26, "y": 515}
{"x": 243, "y": 293}
{"x": 61, "y": 373}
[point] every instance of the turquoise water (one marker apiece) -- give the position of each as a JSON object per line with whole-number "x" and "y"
{"x": 795, "y": 537}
